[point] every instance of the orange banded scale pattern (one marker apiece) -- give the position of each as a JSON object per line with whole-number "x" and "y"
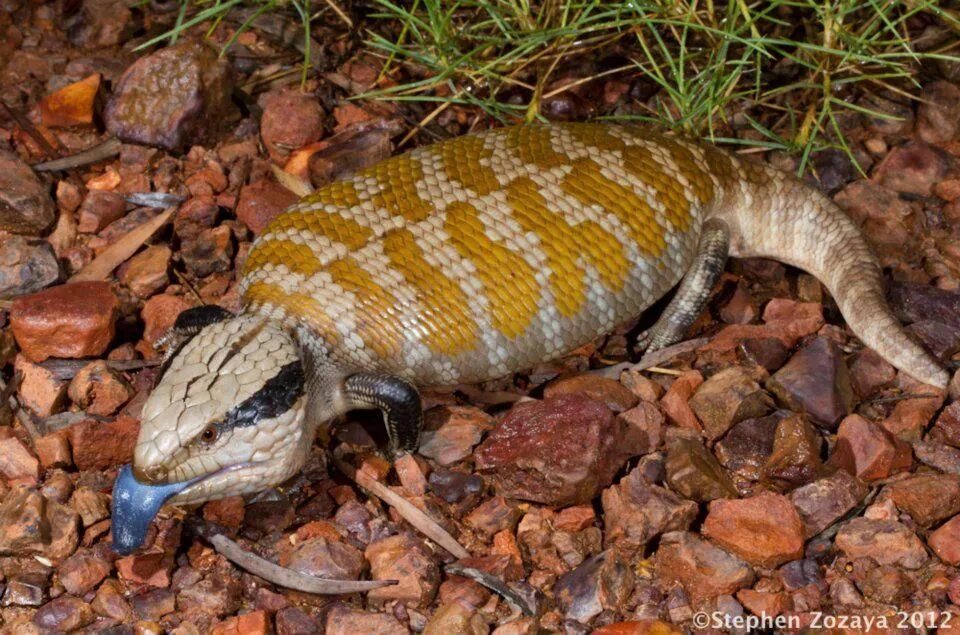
{"x": 474, "y": 257}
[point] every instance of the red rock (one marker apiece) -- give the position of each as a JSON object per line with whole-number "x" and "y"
{"x": 644, "y": 427}
{"x": 636, "y": 511}
{"x": 403, "y": 557}
{"x": 63, "y": 614}
{"x": 349, "y": 114}
{"x": 765, "y": 603}
{"x": 455, "y": 618}
{"x": 252, "y": 623}
{"x": 40, "y": 390}
{"x": 869, "y": 373}
{"x": 867, "y": 451}
{"x": 674, "y": 402}
{"x": 451, "y": 432}
{"x": 798, "y": 319}
{"x": 911, "y": 416}
{"x": 617, "y": 397}
{"x": 99, "y": 390}
{"x": 291, "y": 119}
{"x": 261, "y": 202}
{"x": 741, "y": 308}
{"x": 702, "y": 569}
{"x": 823, "y": 502}
{"x": 815, "y": 381}
{"x": 159, "y": 314}
{"x": 601, "y": 583}
{"x": 915, "y": 493}
{"x": 53, "y": 450}
{"x": 693, "y": 472}
{"x": 913, "y": 168}
{"x": 109, "y": 602}
{"x": 211, "y": 252}
{"x": 411, "y": 475}
{"x": 152, "y": 569}
{"x": 72, "y": 105}
{"x": 293, "y": 621}
{"x": 323, "y": 558}
{"x": 745, "y": 448}
{"x": 938, "y": 456}
{"x": 641, "y": 386}
{"x": 766, "y": 352}
{"x": 576, "y": 518}
{"x": 938, "y": 112}
{"x": 945, "y": 541}
{"x": 99, "y": 209}
{"x": 146, "y": 273}
{"x": 559, "y": 451}
{"x": 82, "y": 572}
{"x": 101, "y": 445}
{"x": 32, "y": 524}
{"x": 93, "y": 506}
{"x": 153, "y": 604}
{"x": 25, "y": 203}
{"x": 493, "y": 515}
{"x": 947, "y": 427}
{"x": 17, "y": 462}
{"x": 27, "y": 265}
{"x": 225, "y": 511}
{"x": 342, "y": 620}
{"x": 765, "y": 530}
{"x": 795, "y": 458}
{"x": 176, "y": 96}
{"x": 886, "y": 541}
{"x": 101, "y": 24}
{"x": 72, "y": 320}
{"x": 913, "y": 302}
{"x": 726, "y": 398}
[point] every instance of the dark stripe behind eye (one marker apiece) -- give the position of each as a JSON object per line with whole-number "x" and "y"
{"x": 276, "y": 396}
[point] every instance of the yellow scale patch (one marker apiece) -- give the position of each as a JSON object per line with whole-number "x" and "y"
{"x": 563, "y": 244}
{"x": 375, "y": 308}
{"x": 508, "y": 280}
{"x": 534, "y": 147}
{"x": 298, "y": 306}
{"x": 398, "y": 178}
{"x": 461, "y": 162}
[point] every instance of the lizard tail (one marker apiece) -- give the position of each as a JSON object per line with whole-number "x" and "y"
{"x": 778, "y": 217}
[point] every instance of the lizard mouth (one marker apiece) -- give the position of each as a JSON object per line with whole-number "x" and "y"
{"x": 134, "y": 504}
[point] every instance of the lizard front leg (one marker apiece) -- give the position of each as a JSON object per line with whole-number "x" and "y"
{"x": 399, "y": 401}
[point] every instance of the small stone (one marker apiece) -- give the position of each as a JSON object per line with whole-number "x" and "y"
{"x": 601, "y": 583}
{"x": 217, "y": 594}
{"x": 644, "y": 427}
{"x": 211, "y": 252}
{"x": 726, "y": 398}
{"x": 938, "y": 112}
{"x": 109, "y": 602}
{"x": 228, "y": 512}
{"x": 887, "y": 584}
{"x": 938, "y": 455}
{"x": 71, "y": 320}
{"x": 945, "y": 541}
{"x": 454, "y": 486}
{"x": 25, "y": 203}
{"x": 252, "y": 623}
{"x": 867, "y": 451}
{"x": 99, "y": 445}
{"x": 17, "y": 462}
{"x": 26, "y": 266}
{"x": 291, "y": 119}
{"x": 63, "y": 614}
{"x": 767, "y": 352}
{"x": 99, "y": 390}
{"x": 93, "y": 506}
{"x": 765, "y": 530}
{"x": 403, "y": 557}
{"x": 576, "y": 518}
{"x": 152, "y": 569}
{"x": 324, "y": 558}
{"x": 31, "y": 524}
{"x": 825, "y": 501}
{"x": 451, "y": 432}
{"x": 911, "y": 416}
{"x": 82, "y": 572}
{"x": 40, "y": 390}
{"x": 159, "y": 314}
{"x": 741, "y": 308}
{"x": 261, "y": 202}
{"x": 560, "y": 451}
{"x": 914, "y": 494}
{"x": 886, "y": 541}
{"x": 815, "y": 381}
{"x": 411, "y": 475}
{"x": 636, "y": 511}
{"x": 913, "y": 302}
{"x": 146, "y": 273}
{"x": 795, "y": 458}
{"x": 53, "y": 451}
{"x": 765, "y": 603}
{"x": 693, "y": 472}
{"x": 342, "y": 620}
{"x": 702, "y": 569}
{"x": 493, "y": 515}
{"x": 913, "y": 168}
{"x": 100, "y": 24}
{"x": 744, "y": 450}
{"x": 456, "y": 618}
{"x": 869, "y": 373}
{"x": 293, "y": 621}
{"x": 154, "y": 604}
{"x": 99, "y": 209}
{"x": 675, "y": 401}
{"x": 612, "y": 393}
{"x": 176, "y": 96}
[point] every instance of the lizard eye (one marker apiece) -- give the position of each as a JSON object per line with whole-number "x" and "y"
{"x": 210, "y": 434}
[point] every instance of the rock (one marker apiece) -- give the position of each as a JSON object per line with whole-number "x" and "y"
{"x": 217, "y": 594}
{"x": 26, "y": 266}
{"x": 601, "y": 583}
{"x": 83, "y": 571}
{"x": 40, "y": 390}
{"x": 150, "y": 568}
{"x": 227, "y": 512}
{"x": 741, "y": 308}
{"x": 101, "y": 24}
{"x": 25, "y": 203}
{"x": 31, "y": 524}
{"x": 342, "y": 620}
{"x": 411, "y": 475}
{"x": 636, "y": 511}
{"x": 825, "y": 501}
{"x": 99, "y": 390}
{"x": 293, "y": 621}
{"x": 211, "y": 252}
{"x": 693, "y": 472}
{"x": 938, "y": 112}
{"x": 159, "y": 313}
{"x": 886, "y": 541}
{"x": 73, "y": 105}
{"x": 53, "y": 451}
{"x": 945, "y": 541}
{"x": 675, "y": 401}
{"x": 913, "y": 302}
{"x": 613, "y": 394}
{"x": 644, "y": 427}
{"x": 101, "y": 445}
{"x": 405, "y": 558}
{"x": 576, "y": 518}
{"x": 71, "y": 320}
{"x": 797, "y": 319}
{"x": 63, "y": 614}
{"x": 325, "y": 558}
{"x": 911, "y": 416}
{"x": 178, "y": 96}
{"x": 493, "y": 515}
{"x": 767, "y": 352}
{"x": 25, "y": 590}
{"x": 252, "y": 623}
{"x": 795, "y": 458}
{"x": 745, "y": 448}
{"x": 765, "y": 603}
{"x": 291, "y": 119}
{"x": 560, "y": 451}
{"x": 815, "y": 381}
{"x": 887, "y": 584}
{"x": 154, "y": 604}
{"x": 92, "y": 505}
{"x": 146, "y": 273}
{"x": 109, "y": 602}
{"x": 913, "y": 168}
{"x": 455, "y": 618}
{"x": 451, "y": 432}
{"x": 17, "y": 462}
{"x": 867, "y": 451}
{"x": 261, "y": 202}
{"x": 454, "y": 486}
{"x": 942, "y": 340}
{"x": 726, "y": 398}
{"x": 914, "y": 495}
{"x": 938, "y": 455}
{"x": 869, "y": 373}
{"x": 765, "y": 530}
{"x": 702, "y": 569}
{"x": 99, "y": 209}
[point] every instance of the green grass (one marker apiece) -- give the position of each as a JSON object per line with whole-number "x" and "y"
{"x": 788, "y": 69}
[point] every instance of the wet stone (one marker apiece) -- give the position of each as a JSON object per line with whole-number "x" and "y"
{"x": 823, "y": 502}
{"x": 745, "y": 448}
{"x": 451, "y": 432}
{"x": 693, "y": 472}
{"x": 815, "y": 381}
{"x": 701, "y": 568}
{"x": 727, "y": 398}
{"x": 764, "y": 530}
{"x": 26, "y": 266}
{"x": 453, "y": 486}
{"x": 25, "y": 203}
{"x": 603, "y": 582}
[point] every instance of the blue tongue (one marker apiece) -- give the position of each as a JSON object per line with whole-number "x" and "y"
{"x": 133, "y": 507}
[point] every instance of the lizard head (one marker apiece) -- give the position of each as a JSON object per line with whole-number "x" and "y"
{"x": 226, "y": 417}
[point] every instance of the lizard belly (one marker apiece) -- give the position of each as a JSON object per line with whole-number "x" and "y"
{"x": 486, "y": 254}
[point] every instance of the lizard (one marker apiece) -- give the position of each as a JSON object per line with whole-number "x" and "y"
{"x": 464, "y": 261}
